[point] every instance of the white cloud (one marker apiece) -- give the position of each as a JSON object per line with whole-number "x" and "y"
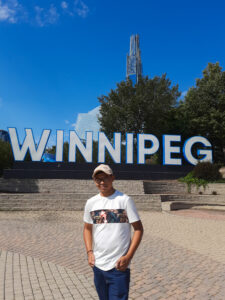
{"x": 87, "y": 122}
{"x": 81, "y": 8}
{"x": 76, "y": 7}
{"x": 67, "y": 9}
{"x": 12, "y": 11}
{"x": 44, "y": 17}
{"x": 38, "y": 17}
{"x": 64, "y": 4}
{"x": 67, "y": 122}
{"x": 52, "y": 14}
{"x": 9, "y": 11}
{"x": 183, "y": 94}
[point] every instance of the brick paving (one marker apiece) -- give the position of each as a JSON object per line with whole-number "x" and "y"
{"x": 182, "y": 256}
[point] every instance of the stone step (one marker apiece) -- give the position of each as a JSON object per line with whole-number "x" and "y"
{"x": 164, "y": 187}
{"x": 176, "y": 205}
{"x": 194, "y": 198}
{"x": 74, "y": 208}
{"x": 65, "y": 186}
{"x": 210, "y": 189}
{"x": 166, "y": 191}
{"x": 45, "y": 196}
{"x": 37, "y": 201}
{"x": 175, "y": 187}
{"x": 87, "y": 186}
{"x": 146, "y": 207}
{"x": 64, "y": 197}
{"x": 42, "y": 208}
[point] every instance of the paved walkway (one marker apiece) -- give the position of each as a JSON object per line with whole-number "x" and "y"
{"x": 42, "y": 257}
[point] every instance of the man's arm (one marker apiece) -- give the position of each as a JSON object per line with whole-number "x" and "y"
{"x": 87, "y": 234}
{"x": 124, "y": 261}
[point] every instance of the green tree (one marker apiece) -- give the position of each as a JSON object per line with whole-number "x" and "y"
{"x": 6, "y": 156}
{"x": 142, "y": 108}
{"x": 204, "y": 109}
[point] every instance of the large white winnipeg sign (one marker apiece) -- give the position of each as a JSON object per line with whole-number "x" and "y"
{"x": 170, "y": 146}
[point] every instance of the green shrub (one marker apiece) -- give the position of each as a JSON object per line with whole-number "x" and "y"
{"x": 190, "y": 180}
{"x": 201, "y": 175}
{"x": 6, "y": 156}
{"x": 206, "y": 171}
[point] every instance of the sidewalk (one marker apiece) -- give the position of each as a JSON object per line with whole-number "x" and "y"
{"x": 42, "y": 257}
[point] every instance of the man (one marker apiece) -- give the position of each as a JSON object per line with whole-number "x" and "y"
{"x": 108, "y": 217}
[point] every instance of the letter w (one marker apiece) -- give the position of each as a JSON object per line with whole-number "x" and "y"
{"x": 28, "y": 143}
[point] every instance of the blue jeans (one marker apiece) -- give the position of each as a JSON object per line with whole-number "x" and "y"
{"x": 112, "y": 284}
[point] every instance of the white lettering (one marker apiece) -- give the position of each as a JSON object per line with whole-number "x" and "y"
{"x": 129, "y": 148}
{"x": 187, "y": 150}
{"x": 59, "y": 145}
{"x": 167, "y": 159}
{"x": 28, "y": 143}
{"x": 104, "y": 143}
{"x": 86, "y": 147}
{"x": 75, "y": 143}
{"x": 142, "y": 151}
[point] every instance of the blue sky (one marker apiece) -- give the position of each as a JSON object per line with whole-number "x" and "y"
{"x": 57, "y": 57}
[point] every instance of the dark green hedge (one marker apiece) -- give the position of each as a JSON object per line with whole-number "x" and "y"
{"x": 206, "y": 171}
{"x": 6, "y": 156}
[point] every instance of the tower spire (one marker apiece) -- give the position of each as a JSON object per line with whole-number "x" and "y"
{"x": 134, "y": 65}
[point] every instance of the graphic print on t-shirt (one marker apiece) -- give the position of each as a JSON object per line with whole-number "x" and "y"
{"x": 102, "y": 216}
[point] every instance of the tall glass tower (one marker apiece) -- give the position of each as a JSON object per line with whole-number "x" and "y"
{"x": 134, "y": 66}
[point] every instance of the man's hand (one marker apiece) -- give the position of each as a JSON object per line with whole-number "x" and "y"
{"x": 91, "y": 259}
{"x": 122, "y": 263}
{"x": 88, "y": 243}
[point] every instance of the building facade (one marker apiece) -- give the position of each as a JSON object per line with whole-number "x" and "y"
{"x": 134, "y": 65}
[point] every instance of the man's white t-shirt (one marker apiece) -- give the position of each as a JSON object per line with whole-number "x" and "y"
{"x": 111, "y": 217}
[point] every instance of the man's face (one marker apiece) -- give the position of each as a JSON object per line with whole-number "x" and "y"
{"x": 104, "y": 183}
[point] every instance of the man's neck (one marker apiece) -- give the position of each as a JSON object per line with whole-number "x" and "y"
{"x": 107, "y": 194}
